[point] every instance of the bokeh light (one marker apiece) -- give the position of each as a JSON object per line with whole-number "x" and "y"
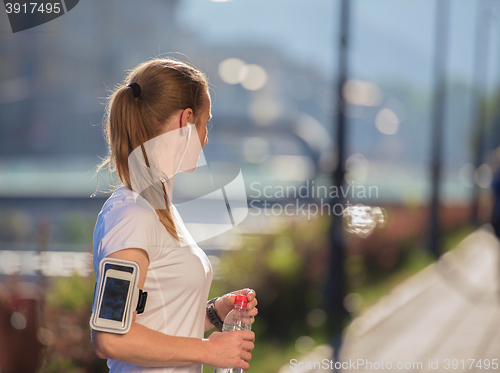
{"x": 363, "y": 93}
{"x": 49, "y": 263}
{"x": 328, "y": 161}
{"x": 253, "y": 77}
{"x": 292, "y": 167}
{"x": 18, "y": 321}
{"x": 352, "y": 302}
{"x": 234, "y": 70}
{"x": 387, "y": 121}
{"x": 304, "y": 344}
{"x": 466, "y": 175}
{"x": 231, "y": 70}
{"x": 484, "y": 176}
{"x": 357, "y": 169}
{"x": 265, "y": 108}
{"x": 398, "y": 107}
{"x": 256, "y": 149}
{"x": 316, "y": 317}
{"x": 362, "y": 220}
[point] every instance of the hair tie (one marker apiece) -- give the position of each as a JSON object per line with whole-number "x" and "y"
{"x": 136, "y": 88}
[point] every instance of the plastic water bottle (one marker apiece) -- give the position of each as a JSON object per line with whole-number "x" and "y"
{"x": 236, "y": 319}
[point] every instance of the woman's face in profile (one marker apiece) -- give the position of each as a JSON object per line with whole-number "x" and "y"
{"x": 200, "y": 129}
{"x": 206, "y": 115}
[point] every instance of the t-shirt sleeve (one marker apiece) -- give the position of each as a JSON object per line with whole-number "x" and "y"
{"x": 126, "y": 227}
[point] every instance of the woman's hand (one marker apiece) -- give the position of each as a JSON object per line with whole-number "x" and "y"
{"x": 231, "y": 349}
{"x": 226, "y": 303}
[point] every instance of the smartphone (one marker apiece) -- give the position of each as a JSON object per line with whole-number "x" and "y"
{"x": 114, "y": 296}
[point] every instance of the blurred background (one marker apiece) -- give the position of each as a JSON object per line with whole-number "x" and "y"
{"x": 392, "y": 105}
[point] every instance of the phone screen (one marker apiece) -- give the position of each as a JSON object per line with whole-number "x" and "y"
{"x": 114, "y": 299}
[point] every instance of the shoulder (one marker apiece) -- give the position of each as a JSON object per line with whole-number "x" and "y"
{"x": 125, "y": 206}
{"x": 125, "y": 221}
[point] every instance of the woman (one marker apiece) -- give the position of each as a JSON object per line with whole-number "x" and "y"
{"x": 158, "y": 98}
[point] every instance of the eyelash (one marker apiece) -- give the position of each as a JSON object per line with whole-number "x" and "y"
{"x": 209, "y": 125}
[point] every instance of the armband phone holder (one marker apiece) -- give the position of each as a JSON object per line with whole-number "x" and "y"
{"x": 116, "y": 296}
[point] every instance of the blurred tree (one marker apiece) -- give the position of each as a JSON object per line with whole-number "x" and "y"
{"x": 286, "y": 269}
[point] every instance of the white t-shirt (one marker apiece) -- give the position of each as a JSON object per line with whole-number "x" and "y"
{"x": 178, "y": 278}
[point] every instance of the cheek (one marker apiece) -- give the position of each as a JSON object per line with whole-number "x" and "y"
{"x": 203, "y": 136}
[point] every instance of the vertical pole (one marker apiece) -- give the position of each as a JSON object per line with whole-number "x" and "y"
{"x": 336, "y": 285}
{"x": 438, "y": 117}
{"x": 483, "y": 20}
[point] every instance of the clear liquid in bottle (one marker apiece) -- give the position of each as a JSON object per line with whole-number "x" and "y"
{"x": 236, "y": 319}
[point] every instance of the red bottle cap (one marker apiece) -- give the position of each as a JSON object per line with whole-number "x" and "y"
{"x": 241, "y": 299}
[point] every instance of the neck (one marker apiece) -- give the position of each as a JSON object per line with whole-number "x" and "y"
{"x": 158, "y": 198}
{"x": 169, "y": 188}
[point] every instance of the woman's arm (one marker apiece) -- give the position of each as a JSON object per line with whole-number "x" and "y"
{"x": 146, "y": 347}
{"x": 208, "y": 324}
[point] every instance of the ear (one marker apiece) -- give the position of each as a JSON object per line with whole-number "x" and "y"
{"x": 187, "y": 116}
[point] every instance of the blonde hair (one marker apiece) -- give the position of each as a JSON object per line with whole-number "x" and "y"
{"x": 167, "y": 86}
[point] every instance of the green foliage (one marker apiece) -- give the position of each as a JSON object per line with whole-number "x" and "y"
{"x": 15, "y": 225}
{"x": 61, "y": 364}
{"x": 67, "y": 314}
{"x": 286, "y": 269}
{"x": 78, "y": 227}
{"x": 71, "y": 293}
{"x": 283, "y": 259}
